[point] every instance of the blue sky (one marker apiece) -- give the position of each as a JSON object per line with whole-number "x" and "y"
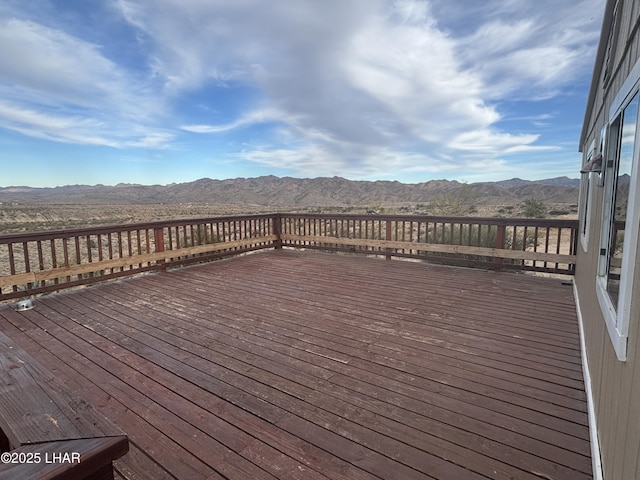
{"x": 164, "y": 91}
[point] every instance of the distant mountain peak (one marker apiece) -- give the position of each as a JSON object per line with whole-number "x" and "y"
{"x": 295, "y": 192}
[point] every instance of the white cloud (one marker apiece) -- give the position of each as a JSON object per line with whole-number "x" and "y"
{"x": 59, "y": 87}
{"x": 62, "y": 67}
{"x": 77, "y": 129}
{"x": 250, "y": 118}
{"x": 522, "y": 49}
{"x": 491, "y": 143}
{"x": 150, "y": 139}
{"x": 357, "y": 87}
{"x": 313, "y": 160}
{"x": 61, "y": 129}
{"x": 378, "y": 74}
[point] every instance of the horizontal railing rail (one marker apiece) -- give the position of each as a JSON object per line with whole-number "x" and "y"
{"x": 39, "y": 262}
{"x": 543, "y": 245}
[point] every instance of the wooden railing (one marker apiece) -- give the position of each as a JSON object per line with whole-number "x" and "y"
{"x": 32, "y": 263}
{"x": 521, "y": 244}
{"x": 40, "y": 262}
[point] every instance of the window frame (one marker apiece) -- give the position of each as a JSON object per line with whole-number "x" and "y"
{"x": 586, "y": 196}
{"x": 617, "y": 317}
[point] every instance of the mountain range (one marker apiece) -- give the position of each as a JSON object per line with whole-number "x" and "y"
{"x": 288, "y": 192}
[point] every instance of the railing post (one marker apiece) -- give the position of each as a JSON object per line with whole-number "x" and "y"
{"x": 158, "y": 241}
{"x": 277, "y": 230}
{"x": 573, "y": 248}
{"x": 388, "y": 238}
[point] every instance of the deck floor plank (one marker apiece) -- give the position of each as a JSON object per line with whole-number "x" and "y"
{"x": 328, "y": 316}
{"x": 407, "y": 335}
{"x": 259, "y": 340}
{"x": 382, "y": 321}
{"x": 548, "y": 388}
{"x": 568, "y": 440}
{"x": 255, "y": 366}
{"x": 305, "y": 365}
{"x": 31, "y": 336}
{"x": 341, "y": 368}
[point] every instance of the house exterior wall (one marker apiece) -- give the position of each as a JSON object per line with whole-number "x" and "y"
{"x": 615, "y": 384}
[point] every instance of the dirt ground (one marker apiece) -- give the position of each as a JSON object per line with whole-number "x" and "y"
{"x": 16, "y": 218}
{"x": 31, "y": 218}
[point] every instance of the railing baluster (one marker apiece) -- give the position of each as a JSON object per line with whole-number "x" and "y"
{"x": 65, "y": 255}
{"x": 76, "y": 241}
{"x": 120, "y": 249}
{"x": 110, "y": 249}
{"x": 559, "y": 230}
{"x": 54, "y": 257}
{"x": 12, "y": 264}
{"x": 25, "y": 252}
{"x": 40, "y": 256}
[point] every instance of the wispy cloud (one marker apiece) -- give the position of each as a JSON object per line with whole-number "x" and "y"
{"x": 57, "y": 128}
{"x": 248, "y": 119}
{"x": 59, "y": 87}
{"x": 378, "y": 74}
{"x": 336, "y": 88}
{"x": 519, "y": 49}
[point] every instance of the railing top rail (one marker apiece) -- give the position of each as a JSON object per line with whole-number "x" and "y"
{"x": 104, "y": 229}
{"x": 535, "y": 222}
{"x": 123, "y": 227}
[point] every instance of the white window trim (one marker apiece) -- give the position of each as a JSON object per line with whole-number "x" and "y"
{"x": 617, "y": 317}
{"x": 586, "y": 200}
{"x": 584, "y": 232}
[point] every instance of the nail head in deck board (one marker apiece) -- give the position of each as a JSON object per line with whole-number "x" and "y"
{"x": 267, "y": 306}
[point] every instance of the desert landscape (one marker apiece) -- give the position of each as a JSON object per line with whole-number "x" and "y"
{"x": 27, "y": 209}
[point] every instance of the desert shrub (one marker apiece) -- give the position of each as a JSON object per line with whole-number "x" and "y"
{"x": 456, "y": 204}
{"x": 534, "y": 208}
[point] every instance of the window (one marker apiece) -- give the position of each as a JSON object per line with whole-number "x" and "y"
{"x": 591, "y": 177}
{"x": 620, "y": 175}
{"x": 619, "y": 224}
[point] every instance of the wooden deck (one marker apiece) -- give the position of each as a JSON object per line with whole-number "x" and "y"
{"x": 289, "y": 364}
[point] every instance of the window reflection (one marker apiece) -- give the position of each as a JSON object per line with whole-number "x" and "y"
{"x": 622, "y": 172}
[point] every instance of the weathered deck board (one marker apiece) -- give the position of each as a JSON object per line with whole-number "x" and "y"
{"x": 302, "y": 365}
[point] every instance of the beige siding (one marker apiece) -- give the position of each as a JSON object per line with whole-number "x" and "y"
{"x": 615, "y": 384}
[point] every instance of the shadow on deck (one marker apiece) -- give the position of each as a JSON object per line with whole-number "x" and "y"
{"x": 288, "y": 364}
